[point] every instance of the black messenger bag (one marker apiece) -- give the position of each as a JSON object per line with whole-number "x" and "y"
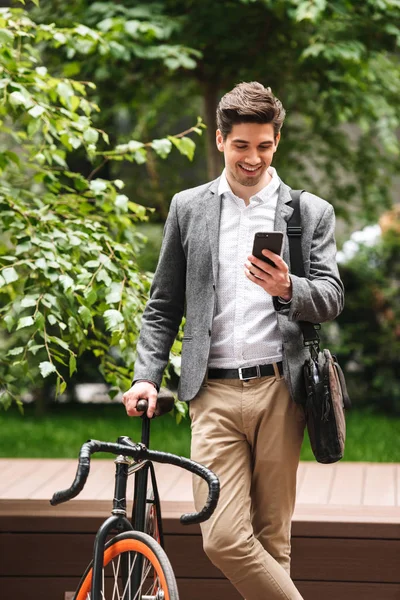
{"x": 326, "y": 391}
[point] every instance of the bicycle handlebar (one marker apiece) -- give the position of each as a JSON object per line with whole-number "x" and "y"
{"x": 140, "y": 452}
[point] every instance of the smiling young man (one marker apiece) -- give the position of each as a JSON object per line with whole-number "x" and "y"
{"x": 242, "y": 351}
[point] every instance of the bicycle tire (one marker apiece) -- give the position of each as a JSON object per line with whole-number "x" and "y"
{"x": 155, "y": 560}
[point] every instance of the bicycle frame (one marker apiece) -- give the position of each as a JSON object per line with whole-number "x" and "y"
{"x": 133, "y": 458}
{"x": 119, "y": 521}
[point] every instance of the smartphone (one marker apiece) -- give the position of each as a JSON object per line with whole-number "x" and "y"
{"x": 267, "y": 240}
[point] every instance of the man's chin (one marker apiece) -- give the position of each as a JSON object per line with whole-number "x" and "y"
{"x": 249, "y": 181}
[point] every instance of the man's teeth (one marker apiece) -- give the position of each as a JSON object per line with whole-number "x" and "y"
{"x": 250, "y": 168}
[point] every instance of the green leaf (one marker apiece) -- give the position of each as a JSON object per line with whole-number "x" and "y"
{"x": 46, "y": 368}
{"x": 162, "y": 147}
{"x": 185, "y": 145}
{"x": 39, "y": 320}
{"x": 133, "y": 145}
{"x": 10, "y": 275}
{"x": 13, "y": 157}
{"x": 98, "y": 186}
{"x": 25, "y": 322}
{"x": 121, "y": 202}
{"x": 18, "y": 99}
{"x": 115, "y": 293}
{"x": 35, "y": 349}
{"x": 91, "y": 136}
{"x": 91, "y": 297}
{"x": 66, "y": 282}
{"x": 60, "y": 38}
{"x": 140, "y": 156}
{"x": 113, "y": 318}
{"x": 132, "y": 27}
{"x": 9, "y": 321}
{"x": 102, "y": 275}
{"x": 15, "y": 351}
{"x": 6, "y": 37}
{"x": 36, "y": 111}
{"x": 59, "y": 342}
{"x": 85, "y": 315}
{"x": 72, "y": 365}
{"x": 65, "y": 92}
{"x": 51, "y": 319}
{"x": 310, "y": 10}
{"x": 28, "y": 301}
{"x": 105, "y": 24}
{"x": 92, "y": 264}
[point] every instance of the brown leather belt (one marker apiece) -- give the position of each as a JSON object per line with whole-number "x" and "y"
{"x": 245, "y": 373}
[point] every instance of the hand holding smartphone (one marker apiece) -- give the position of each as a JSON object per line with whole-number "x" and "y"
{"x": 267, "y": 240}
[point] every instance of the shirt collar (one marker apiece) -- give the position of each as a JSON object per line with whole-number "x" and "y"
{"x": 263, "y": 195}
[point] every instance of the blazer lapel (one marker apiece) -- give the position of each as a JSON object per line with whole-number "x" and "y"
{"x": 282, "y": 216}
{"x": 212, "y": 208}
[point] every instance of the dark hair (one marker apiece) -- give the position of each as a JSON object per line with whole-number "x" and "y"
{"x": 249, "y": 103}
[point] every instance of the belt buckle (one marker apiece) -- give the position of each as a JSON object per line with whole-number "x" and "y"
{"x": 258, "y": 373}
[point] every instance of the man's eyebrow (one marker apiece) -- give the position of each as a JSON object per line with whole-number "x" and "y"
{"x": 239, "y": 141}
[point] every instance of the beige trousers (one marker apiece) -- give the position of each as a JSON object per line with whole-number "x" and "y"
{"x": 249, "y": 434}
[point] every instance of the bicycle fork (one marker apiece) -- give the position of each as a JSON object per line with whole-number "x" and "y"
{"x": 117, "y": 521}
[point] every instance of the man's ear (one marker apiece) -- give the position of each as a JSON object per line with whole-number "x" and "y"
{"x": 219, "y": 140}
{"x": 277, "y": 138}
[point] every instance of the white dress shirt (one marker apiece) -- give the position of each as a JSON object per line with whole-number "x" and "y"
{"x": 245, "y": 329}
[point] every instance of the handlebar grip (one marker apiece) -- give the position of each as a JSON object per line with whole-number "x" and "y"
{"x": 81, "y": 475}
{"x": 165, "y": 403}
{"x": 200, "y": 470}
{"x": 142, "y": 405}
{"x": 212, "y": 498}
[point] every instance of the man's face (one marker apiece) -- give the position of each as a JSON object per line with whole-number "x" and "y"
{"x": 248, "y": 152}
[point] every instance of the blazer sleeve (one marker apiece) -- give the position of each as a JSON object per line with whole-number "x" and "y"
{"x": 165, "y": 308}
{"x": 320, "y": 297}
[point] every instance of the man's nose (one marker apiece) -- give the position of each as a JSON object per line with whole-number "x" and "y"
{"x": 252, "y": 157}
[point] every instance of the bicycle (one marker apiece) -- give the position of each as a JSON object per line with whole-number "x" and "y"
{"x": 133, "y": 564}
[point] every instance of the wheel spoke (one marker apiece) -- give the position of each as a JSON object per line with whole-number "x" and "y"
{"x": 130, "y": 571}
{"x": 115, "y": 571}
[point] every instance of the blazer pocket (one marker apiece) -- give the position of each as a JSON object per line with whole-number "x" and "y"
{"x": 187, "y": 338}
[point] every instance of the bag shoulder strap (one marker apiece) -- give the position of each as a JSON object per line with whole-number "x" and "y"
{"x": 294, "y": 231}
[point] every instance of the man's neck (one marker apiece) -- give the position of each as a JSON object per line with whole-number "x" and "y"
{"x": 246, "y": 192}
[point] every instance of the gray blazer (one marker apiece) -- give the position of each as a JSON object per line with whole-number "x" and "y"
{"x": 185, "y": 284}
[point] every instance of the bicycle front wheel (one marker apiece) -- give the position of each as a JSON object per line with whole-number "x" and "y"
{"x": 121, "y": 556}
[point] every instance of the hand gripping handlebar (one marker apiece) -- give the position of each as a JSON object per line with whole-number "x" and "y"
{"x": 140, "y": 452}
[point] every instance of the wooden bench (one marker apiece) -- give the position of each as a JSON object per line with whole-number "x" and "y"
{"x": 346, "y": 531}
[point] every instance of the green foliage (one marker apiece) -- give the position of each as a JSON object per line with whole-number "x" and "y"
{"x": 69, "y": 280}
{"x": 334, "y": 65}
{"x": 369, "y": 340}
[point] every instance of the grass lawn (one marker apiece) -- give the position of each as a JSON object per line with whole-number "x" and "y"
{"x": 370, "y": 436}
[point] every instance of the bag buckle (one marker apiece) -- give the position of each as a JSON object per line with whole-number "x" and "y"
{"x": 294, "y": 231}
{"x": 247, "y": 377}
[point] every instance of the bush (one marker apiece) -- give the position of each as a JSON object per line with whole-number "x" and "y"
{"x": 70, "y": 284}
{"x": 369, "y": 338}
